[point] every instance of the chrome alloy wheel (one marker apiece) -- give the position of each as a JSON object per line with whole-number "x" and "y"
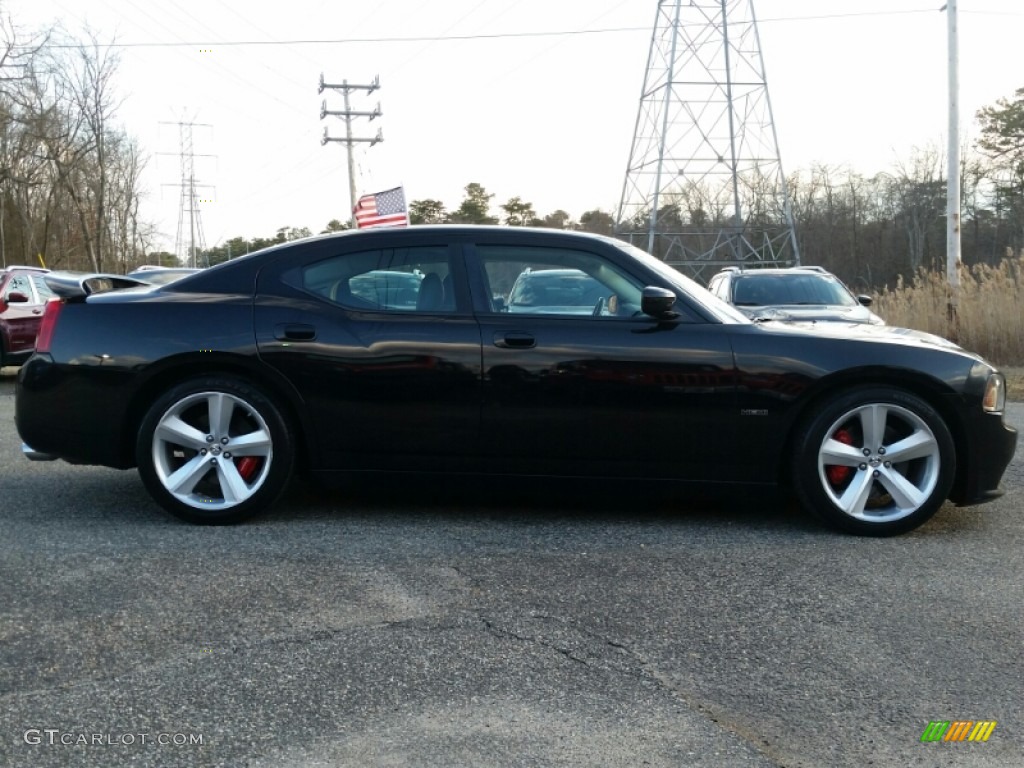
{"x": 212, "y": 450}
{"x": 879, "y": 462}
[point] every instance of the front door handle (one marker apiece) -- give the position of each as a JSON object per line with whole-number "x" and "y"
{"x": 514, "y": 340}
{"x": 294, "y": 332}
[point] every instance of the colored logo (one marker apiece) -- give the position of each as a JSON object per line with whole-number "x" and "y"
{"x": 958, "y": 730}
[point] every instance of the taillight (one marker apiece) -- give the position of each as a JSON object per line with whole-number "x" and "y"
{"x": 49, "y": 323}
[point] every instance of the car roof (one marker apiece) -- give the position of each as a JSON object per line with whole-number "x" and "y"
{"x": 782, "y": 272}
{"x": 475, "y": 231}
{"x": 225, "y": 275}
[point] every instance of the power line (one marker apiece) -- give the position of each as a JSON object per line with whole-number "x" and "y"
{"x": 361, "y": 40}
{"x": 488, "y": 36}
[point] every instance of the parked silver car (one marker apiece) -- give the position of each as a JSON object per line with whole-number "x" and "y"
{"x": 796, "y": 293}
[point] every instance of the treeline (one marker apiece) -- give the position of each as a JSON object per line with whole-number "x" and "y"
{"x": 69, "y": 174}
{"x": 869, "y": 230}
{"x": 474, "y": 209}
{"x": 872, "y": 230}
{"x": 70, "y": 187}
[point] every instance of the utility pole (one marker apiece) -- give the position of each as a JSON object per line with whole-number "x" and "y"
{"x": 953, "y": 177}
{"x": 348, "y": 115}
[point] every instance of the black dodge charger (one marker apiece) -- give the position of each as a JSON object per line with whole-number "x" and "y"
{"x": 395, "y": 350}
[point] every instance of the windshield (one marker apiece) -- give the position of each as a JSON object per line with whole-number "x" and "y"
{"x": 711, "y": 303}
{"x": 791, "y": 289}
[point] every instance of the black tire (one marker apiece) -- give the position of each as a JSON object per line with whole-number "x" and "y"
{"x": 876, "y": 461}
{"x": 219, "y": 474}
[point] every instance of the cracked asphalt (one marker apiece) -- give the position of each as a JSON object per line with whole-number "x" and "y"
{"x": 500, "y": 624}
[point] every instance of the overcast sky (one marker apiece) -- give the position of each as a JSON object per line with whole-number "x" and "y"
{"x": 548, "y": 118}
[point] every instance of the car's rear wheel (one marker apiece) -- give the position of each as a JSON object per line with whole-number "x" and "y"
{"x": 214, "y": 451}
{"x": 876, "y": 461}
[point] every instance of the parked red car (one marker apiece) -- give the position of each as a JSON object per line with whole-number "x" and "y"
{"x": 22, "y": 297}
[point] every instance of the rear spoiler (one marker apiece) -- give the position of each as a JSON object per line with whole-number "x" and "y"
{"x": 78, "y": 285}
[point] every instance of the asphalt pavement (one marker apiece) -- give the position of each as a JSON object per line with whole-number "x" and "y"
{"x": 505, "y": 624}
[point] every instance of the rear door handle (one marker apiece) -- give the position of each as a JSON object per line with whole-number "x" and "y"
{"x": 514, "y": 340}
{"x": 294, "y": 332}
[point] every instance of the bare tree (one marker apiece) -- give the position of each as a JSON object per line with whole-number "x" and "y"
{"x": 921, "y": 189}
{"x": 88, "y": 84}
{"x": 16, "y": 172}
{"x": 69, "y": 175}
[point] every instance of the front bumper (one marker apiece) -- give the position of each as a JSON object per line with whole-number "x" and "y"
{"x": 992, "y": 444}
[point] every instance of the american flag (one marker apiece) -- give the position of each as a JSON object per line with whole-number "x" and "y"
{"x": 382, "y": 209}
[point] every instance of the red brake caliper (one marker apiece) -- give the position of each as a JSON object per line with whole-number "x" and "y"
{"x": 836, "y": 474}
{"x": 248, "y": 465}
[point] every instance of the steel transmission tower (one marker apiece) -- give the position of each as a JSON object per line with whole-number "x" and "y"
{"x": 704, "y": 186}
{"x": 189, "y": 242}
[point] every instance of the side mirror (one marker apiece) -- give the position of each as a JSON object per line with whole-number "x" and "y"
{"x": 658, "y": 302}
{"x": 17, "y": 297}
{"x": 864, "y": 301}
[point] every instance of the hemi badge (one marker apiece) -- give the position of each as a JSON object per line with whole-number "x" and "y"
{"x": 753, "y": 411}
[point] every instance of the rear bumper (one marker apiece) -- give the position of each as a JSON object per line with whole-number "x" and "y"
{"x": 70, "y": 412}
{"x": 32, "y": 454}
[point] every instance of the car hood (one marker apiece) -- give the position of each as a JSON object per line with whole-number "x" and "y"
{"x": 866, "y": 332}
{"x": 815, "y": 313}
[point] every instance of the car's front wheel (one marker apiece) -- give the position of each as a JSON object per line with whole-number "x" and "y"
{"x": 877, "y": 461}
{"x": 214, "y": 451}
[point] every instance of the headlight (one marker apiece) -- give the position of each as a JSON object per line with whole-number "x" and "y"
{"x": 995, "y": 394}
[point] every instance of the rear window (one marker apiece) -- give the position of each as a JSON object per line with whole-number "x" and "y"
{"x": 774, "y": 290}
{"x": 411, "y": 279}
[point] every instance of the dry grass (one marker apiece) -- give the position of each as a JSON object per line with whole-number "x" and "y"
{"x": 991, "y": 309}
{"x": 1014, "y": 383}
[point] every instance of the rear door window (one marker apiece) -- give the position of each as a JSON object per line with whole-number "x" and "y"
{"x": 403, "y": 280}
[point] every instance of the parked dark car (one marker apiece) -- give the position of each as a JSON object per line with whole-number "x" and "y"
{"x": 22, "y": 296}
{"x": 797, "y": 294}
{"x": 221, "y": 384}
